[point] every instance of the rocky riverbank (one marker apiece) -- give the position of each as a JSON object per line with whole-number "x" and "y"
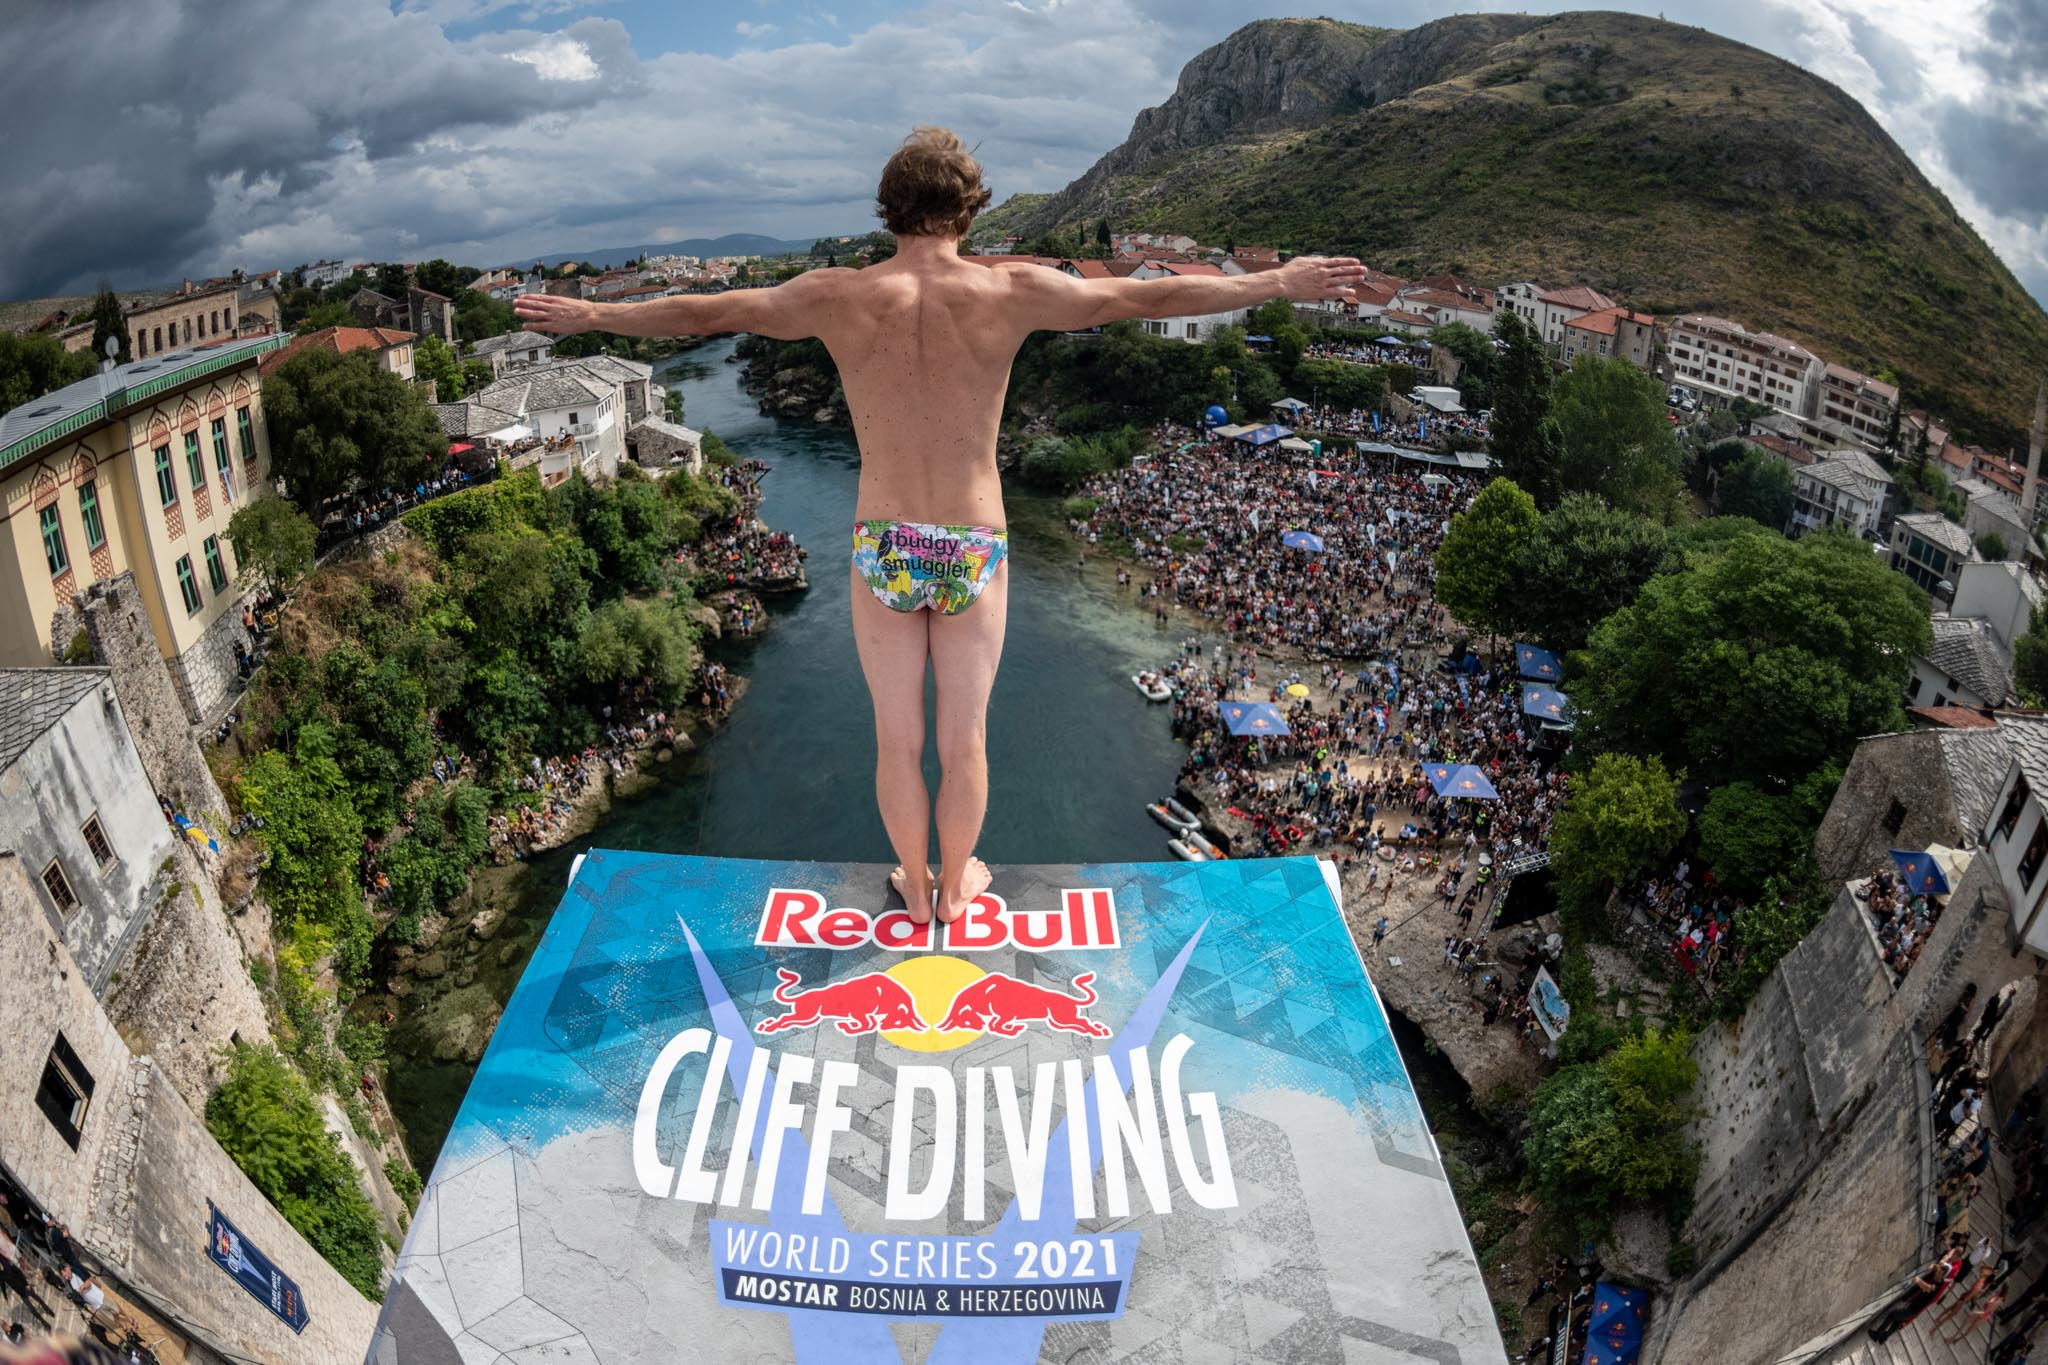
{"x": 794, "y": 380}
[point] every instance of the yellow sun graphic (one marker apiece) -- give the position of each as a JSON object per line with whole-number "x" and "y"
{"x": 933, "y": 980}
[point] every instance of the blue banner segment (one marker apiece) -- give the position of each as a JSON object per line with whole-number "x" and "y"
{"x": 227, "y": 1248}
{"x": 1085, "y": 1275}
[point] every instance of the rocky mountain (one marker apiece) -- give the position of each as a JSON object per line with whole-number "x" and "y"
{"x": 1667, "y": 166}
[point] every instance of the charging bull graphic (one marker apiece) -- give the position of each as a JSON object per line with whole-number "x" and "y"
{"x": 860, "y": 1004}
{"x": 1003, "y": 1005}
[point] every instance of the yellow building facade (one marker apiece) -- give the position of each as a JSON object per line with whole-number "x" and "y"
{"x": 136, "y": 471}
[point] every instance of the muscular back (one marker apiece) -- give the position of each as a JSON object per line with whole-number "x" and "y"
{"x": 924, "y": 350}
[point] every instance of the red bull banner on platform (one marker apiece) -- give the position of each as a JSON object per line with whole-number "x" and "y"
{"x": 755, "y": 1111}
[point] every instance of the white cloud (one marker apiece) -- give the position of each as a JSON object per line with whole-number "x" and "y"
{"x": 559, "y": 59}
{"x": 747, "y": 30}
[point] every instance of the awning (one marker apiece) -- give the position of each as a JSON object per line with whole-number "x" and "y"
{"x": 1290, "y": 405}
{"x": 459, "y": 447}
{"x": 1546, "y": 703}
{"x": 1253, "y": 718}
{"x": 1296, "y": 443}
{"x": 1614, "y": 1333}
{"x": 1261, "y": 436}
{"x": 1231, "y": 432}
{"x": 1922, "y": 875}
{"x": 1461, "y": 780}
{"x": 1538, "y": 663}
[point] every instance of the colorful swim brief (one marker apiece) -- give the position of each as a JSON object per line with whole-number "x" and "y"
{"x": 908, "y": 564}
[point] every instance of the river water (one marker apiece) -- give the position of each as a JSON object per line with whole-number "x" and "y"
{"x": 1074, "y": 751}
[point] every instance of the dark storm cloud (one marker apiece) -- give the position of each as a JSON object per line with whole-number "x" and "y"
{"x": 2016, "y": 34}
{"x": 121, "y": 167}
{"x": 2000, "y": 150}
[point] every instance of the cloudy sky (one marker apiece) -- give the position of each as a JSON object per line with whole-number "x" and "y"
{"x": 177, "y": 137}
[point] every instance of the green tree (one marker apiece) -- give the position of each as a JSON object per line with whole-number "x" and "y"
{"x": 326, "y": 314}
{"x": 264, "y": 1116}
{"x": 311, "y": 829}
{"x": 1619, "y": 816}
{"x": 1102, "y": 235}
{"x": 1616, "y": 440}
{"x": 1521, "y": 405}
{"x": 477, "y": 376}
{"x": 1586, "y": 561}
{"x": 391, "y": 280}
{"x": 273, "y": 542}
{"x": 1748, "y": 835}
{"x": 339, "y": 422}
{"x": 1761, "y": 659}
{"x": 109, "y": 319}
{"x": 1991, "y": 545}
{"x": 434, "y": 359}
{"x": 33, "y": 365}
{"x": 2030, "y": 661}
{"x": 1477, "y": 564}
{"x": 1610, "y": 1134}
{"x": 1758, "y": 486}
{"x": 439, "y": 277}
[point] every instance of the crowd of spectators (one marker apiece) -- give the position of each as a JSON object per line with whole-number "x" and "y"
{"x": 366, "y": 511}
{"x": 1901, "y": 917}
{"x": 1204, "y": 523}
{"x": 1695, "y": 916}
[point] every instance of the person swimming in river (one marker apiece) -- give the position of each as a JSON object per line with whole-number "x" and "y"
{"x": 923, "y": 342}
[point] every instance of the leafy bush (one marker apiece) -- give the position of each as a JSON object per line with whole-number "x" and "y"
{"x": 265, "y": 1118}
{"x": 1620, "y": 816}
{"x": 405, "y": 1181}
{"x": 1608, "y": 1134}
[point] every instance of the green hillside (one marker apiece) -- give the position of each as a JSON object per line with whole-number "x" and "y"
{"x": 1669, "y": 167}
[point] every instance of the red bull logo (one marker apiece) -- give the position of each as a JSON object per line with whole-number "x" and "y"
{"x": 1003, "y": 1005}
{"x": 1085, "y": 918}
{"x": 902, "y": 1003}
{"x": 858, "y": 1005}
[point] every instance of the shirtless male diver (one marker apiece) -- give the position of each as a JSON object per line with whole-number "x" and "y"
{"x": 923, "y": 343}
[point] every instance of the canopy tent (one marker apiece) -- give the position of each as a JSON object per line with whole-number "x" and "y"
{"x": 1545, "y": 703}
{"x": 1614, "y": 1334}
{"x": 1292, "y": 406}
{"x": 459, "y": 447}
{"x": 1295, "y": 443}
{"x": 1253, "y": 718}
{"x": 1922, "y": 875}
{"x": 1258, "y": 338}
{"x": 1262, "y": 436}
{"x": 1302, "y": 540}
{"x": 1538, "y": 663}
{"x": 1461, "y": 780}
{"x": 1391, "y": 340}
{"x": 1231, "y": 431}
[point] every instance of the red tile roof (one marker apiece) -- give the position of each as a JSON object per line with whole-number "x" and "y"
{"x": 1378, "y": 295}
{"x": 1092, "y": 270}
{"x": 1953, "y": 717}
{"x": 1189, "y": 267}
{"x": 1411, "y": 319}
{"x": 341, "y": 339}
{"x": 1442, "y": 298}
{"x": 1578, "y": 296}
{"x": 1256, "y": 253}
{"x": 1601, "y": 322}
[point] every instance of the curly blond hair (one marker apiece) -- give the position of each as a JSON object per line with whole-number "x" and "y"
{"x": 931, "y": 186}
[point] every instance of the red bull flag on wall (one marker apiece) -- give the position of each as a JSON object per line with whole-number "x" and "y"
{"x": 754, "y": 1111}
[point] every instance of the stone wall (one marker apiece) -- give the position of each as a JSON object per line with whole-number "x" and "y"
{"x": 117, "y": 625}
{"x": 1913, "y": 770}
{"x": 205, "y": 674}
{"x": 185, "y": 991}
{"x": 1814, "y": 1132}
{"x": 135, "y": 1190}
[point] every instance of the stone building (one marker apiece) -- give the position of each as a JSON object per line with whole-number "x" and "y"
{"x": 136, "y": 471}
{"x": 190, "y": 316}
{"x": 76, "y": 808}
{"x": 1818, "y": 1151}
{"x": 104, "y": 1143}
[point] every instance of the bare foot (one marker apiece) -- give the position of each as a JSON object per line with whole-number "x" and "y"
{"x": 919, "y": 905}
{"x": 974, "y": 880}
